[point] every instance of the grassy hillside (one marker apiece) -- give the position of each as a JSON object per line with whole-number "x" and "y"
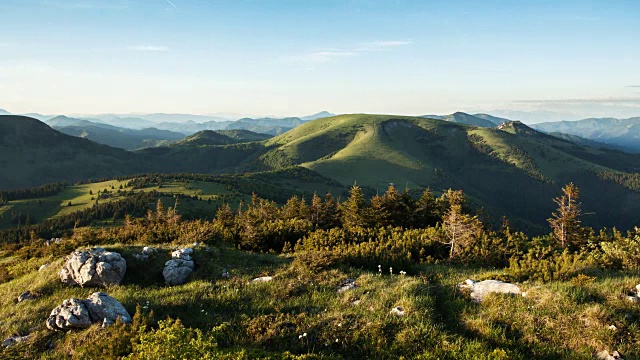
{"x": 31, "y": 153}
{"x": 493, "y": 166}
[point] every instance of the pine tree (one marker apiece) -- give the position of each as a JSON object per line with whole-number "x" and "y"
{"x": 354, "y": 210}
{"x": 426, "y": 211}
{"x": 565, "y": 221}
{"x": 460, "y": 228}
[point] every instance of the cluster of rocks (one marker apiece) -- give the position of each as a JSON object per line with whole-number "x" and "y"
{"x": 94, "y": 267}
{"x": 480, "y": 289}
{"x": 146, "y": 252}
{"x": 79, "y": 314}
{"x": 177, "y": 269}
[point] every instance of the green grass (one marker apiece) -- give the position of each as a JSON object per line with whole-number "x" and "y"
{"x": 555, "y": 320}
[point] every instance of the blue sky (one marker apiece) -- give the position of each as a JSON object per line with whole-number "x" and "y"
{"x": 286, "y": 57}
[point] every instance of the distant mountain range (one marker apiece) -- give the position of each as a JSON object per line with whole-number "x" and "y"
{"x": 621, "y": 133}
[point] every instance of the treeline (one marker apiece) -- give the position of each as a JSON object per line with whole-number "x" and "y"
{"x": 629, "y": 180}
{"x": 32, "y": 193}
{"x": 135, "y": 204}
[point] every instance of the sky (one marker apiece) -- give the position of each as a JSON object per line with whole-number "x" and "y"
{"x": 297, "y": 57}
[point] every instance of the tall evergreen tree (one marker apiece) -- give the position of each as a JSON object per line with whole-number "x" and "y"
{"x": 565, "y": 221}
{"x": 354, "y": 211}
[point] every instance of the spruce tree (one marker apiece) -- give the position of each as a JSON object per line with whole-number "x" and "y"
{"x": 565, "y": 221}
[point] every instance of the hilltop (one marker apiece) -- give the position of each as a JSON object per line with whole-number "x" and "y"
{"x": 222, "y": 137}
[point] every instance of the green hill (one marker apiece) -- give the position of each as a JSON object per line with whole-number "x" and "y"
{"x": 32, "y": 153}
{"x": 222, "y": 137}
{"x": 513, "y": 170}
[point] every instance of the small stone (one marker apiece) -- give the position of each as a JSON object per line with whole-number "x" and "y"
{"x": 398, "y": 311}
{"x": 480, "y": 290}
{"x": 612, "y": 327}
{"x": 605, "y": 355}
{"x": 27, "y": 295}
{"x": 42, "y": 267}
{"x": 225, "y": 274}
{"x": 14, "y": 340}
{"x": 261, "y": 279}
{"x": 356, "y": 302}
{"x": 347, "y": 285}
{"x": 633, "y": 299}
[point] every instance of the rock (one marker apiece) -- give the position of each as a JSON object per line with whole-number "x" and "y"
{"x": 72, "y": 314}
{"x": 347, "y": 285}
{"x": 356, "y": 302}
{"x": 42, "y": 267}
{"x": 225, "y": 274}
{"x": 605, "y": 355}
{"x": 13, "y": 340}
{"x": 479, "y": 290}
{"x": 633, "y": 299}
{"x": 176, "y": 271}
{"x": 638, "y": 289}
{"x": 80, "y": 314}
{"x": 261, "y": 279}
{"x": 103, "y": 307}
{"x": 183, "y": 254}
{"x": 145, "y": 253}
{"x": 27, "y": 295}
{"x": 612, "y": 327}
{"x": 95, "y": 267}
{"x": 398, "y": 311}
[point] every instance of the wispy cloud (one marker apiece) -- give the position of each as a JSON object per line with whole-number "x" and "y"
{"x": 172, "y": 4}
{"x": 151, "y": 48}
{"x": 326, "y": 55}
{"x": 87, "y": 4}
{"x": 633, "y": 86}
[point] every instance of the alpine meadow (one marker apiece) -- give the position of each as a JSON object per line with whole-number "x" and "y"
{"x": 319, "y": 180}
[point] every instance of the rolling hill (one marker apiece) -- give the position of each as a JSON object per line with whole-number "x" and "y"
{"x": 32, "y": 153}
{"x": 222, "y": 137}
{"x": 510, "y": 170}
{"x": 482, "y": 120}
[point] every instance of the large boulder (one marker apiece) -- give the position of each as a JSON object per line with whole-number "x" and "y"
{"x": 103, "y": 307}
{"x": 176, "y": 271}
{"x": 479, "y": 290}
{"x": 94, "y": 267}
{"x": 80, "y": 314}
{"x": 72, "y": 314}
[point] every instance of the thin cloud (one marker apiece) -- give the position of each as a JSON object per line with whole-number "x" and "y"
{"x": 172, "y": 4}
{"x": 332, "y": 54}
{"x": 151, "y": 48}
{"x": 87, "y": 4}
{"x": 633, "y": 86}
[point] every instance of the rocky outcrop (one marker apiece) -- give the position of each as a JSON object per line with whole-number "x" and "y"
{"x": 80, "y": 314}
{"x": 94, "y": 267}
{"x": 479, "y": 290}
{"x": 177, "y": 269}
{"x": 72, "y": 314}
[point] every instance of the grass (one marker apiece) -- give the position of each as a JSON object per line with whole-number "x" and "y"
{"x": 555, "y": 320}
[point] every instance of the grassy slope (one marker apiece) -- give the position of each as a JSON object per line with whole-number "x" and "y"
{"x": 513, "y": 171}
{"x": 31, "y": 153}
{"x": 555, "y": 320}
